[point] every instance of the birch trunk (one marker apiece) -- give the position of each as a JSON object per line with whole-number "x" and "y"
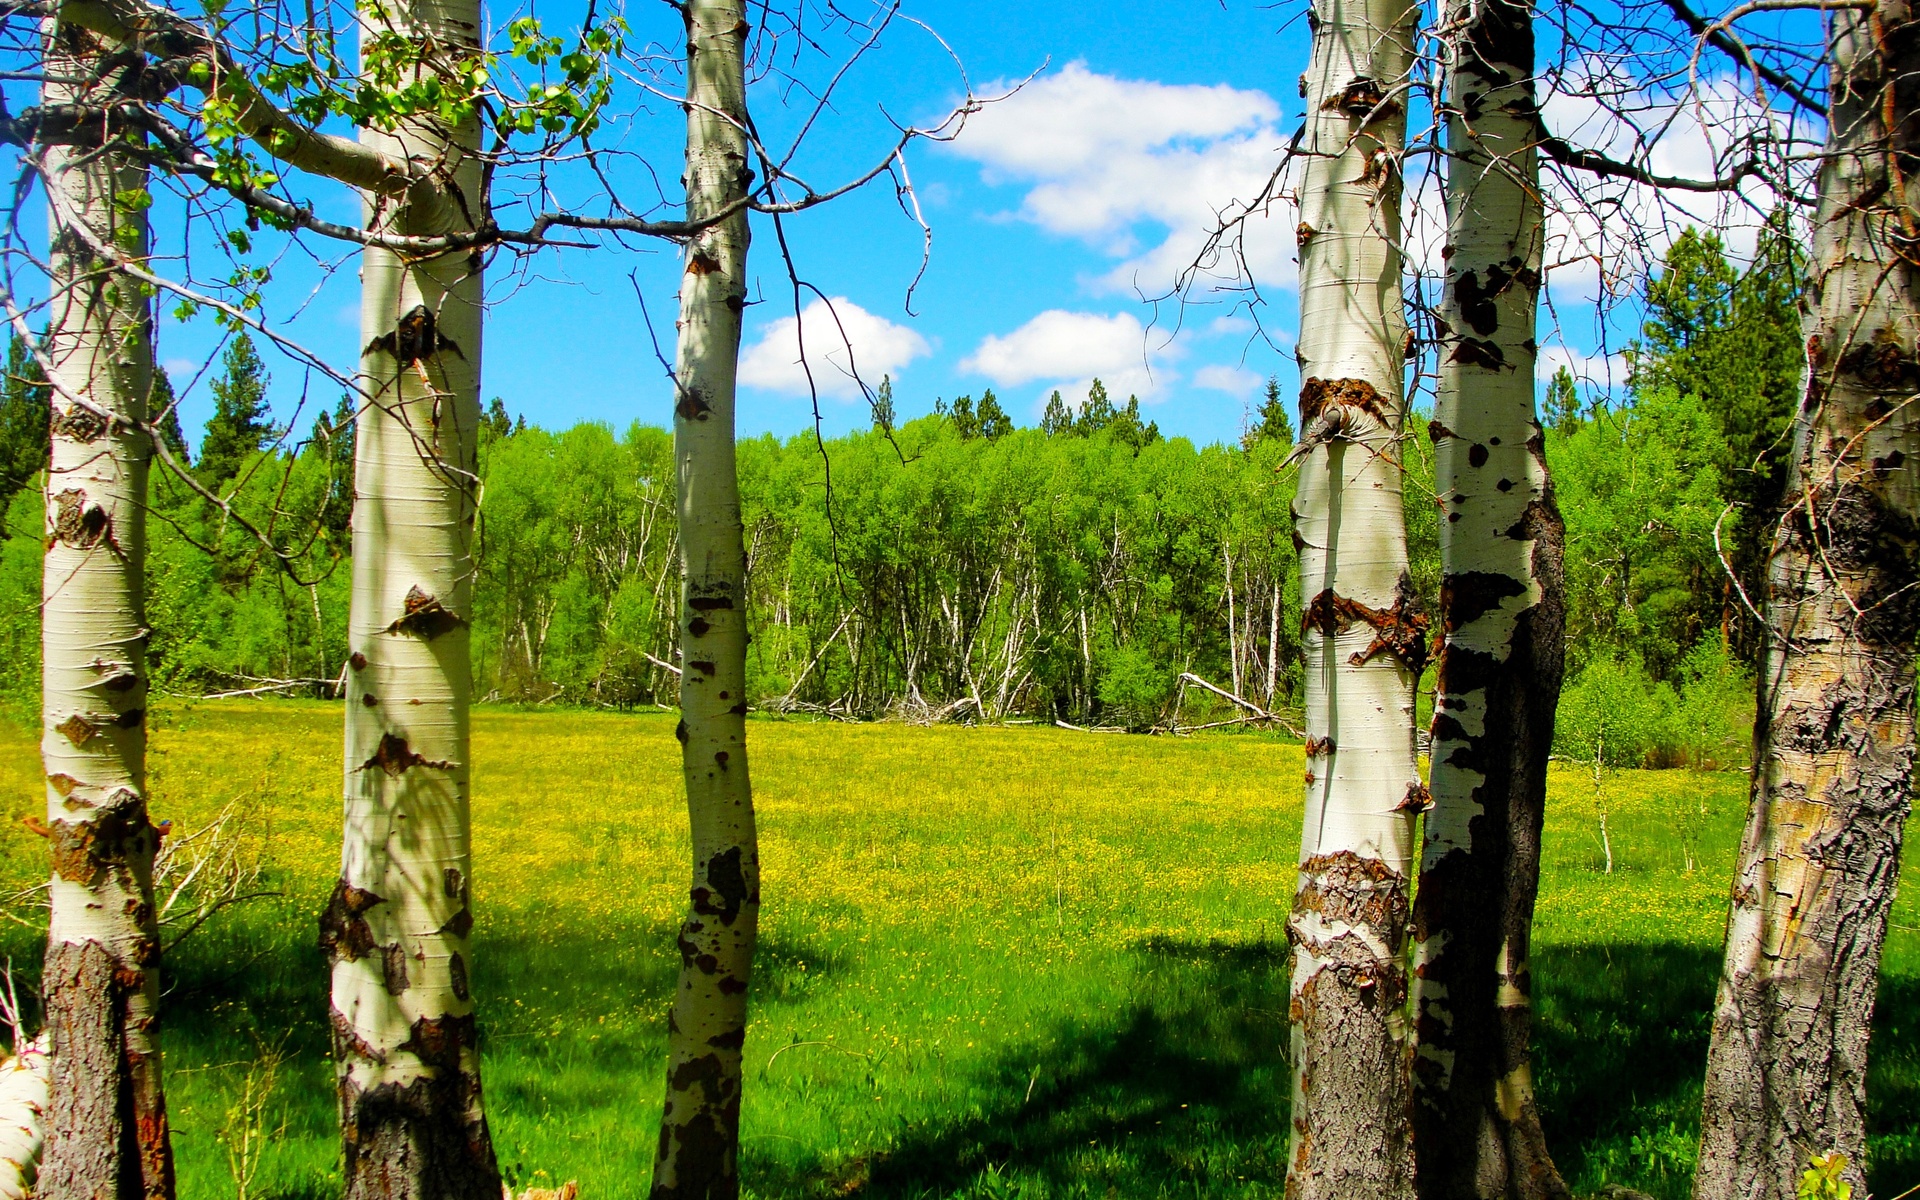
{"x": 699, "y": 1152}
{"x": 1477, "y": 1130}
{"x": 1833, "y": 777}
{"x": 106, "y": 1133}
{"x": 25, "y": 1091}
{"x": 1364, "y": 644}
{"x": 396, "y": 931}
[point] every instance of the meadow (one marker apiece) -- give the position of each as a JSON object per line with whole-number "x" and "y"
{"x": 996, "y": 962}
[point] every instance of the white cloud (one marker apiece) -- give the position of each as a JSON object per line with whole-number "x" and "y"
{"x": 840, "y": 337}
{"x": 1603, "y": 235}
{"x": 1599, "y": 370}
{"x": 1068, "y": 350}
{"x": 1105, "y": 156}
{"x": 1234, "y": 381}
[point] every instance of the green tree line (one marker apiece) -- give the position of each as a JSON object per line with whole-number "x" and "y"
{"x": 958, "y": 566}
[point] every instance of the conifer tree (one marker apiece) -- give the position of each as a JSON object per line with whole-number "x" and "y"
{"x": 1275, "y": 424}
{"x": 239, "y": 427}
{"x": 1097, "y": 413}
{"x": 1058, "y": 418}
{"x": 994, "y": 422}
{"x": 1562, "y": 405}
{"x": 25, "y": 407}
{"x": 883, "y": 414}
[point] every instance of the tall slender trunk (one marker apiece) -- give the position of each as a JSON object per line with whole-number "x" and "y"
{"x": 1364, "y": 643}
{"x": 397, "y": 929}
{"x": 107, "y": 1125}
{"x": 1273, "y": 649}
{"x": 699, "y": 1154}
{"x": 1503, "y": 616}
{"x": 1833, "y": 773}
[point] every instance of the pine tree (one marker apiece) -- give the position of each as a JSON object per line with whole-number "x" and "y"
{"x": 883, "y": 414}
{"x": 964, "y": 422}
{"x": 1097, "y": 413}
{"x": 1562, "y": 406}
{"x": 1275, "y": 424}
{"x": 495, "y": 423}
{"x": 994, "y": 422}
{"x": 25, "y": 407}
{"x": 1127, "y": 427}
{"x": 239, "y": 426}
{"x": 1058, "y": 418}
{"x": 164, "y": 407}
{"x": 332, "y": 437}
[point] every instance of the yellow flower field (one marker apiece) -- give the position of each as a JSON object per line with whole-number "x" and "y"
{"x": 995, "y": 961}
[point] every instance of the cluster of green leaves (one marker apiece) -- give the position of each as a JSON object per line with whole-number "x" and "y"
{"x": 221, "y": 609}
{"x": 1098, "y": 415}
{"x": 959, "y": 557}
{"x": 403, "y": 77}
{"x": 1660, "y": 640}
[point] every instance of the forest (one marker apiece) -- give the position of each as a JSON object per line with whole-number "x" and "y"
{"x": 960, "y": 568}
{"x": 628, "y": 669}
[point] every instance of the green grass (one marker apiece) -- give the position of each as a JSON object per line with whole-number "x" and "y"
{"x": 996, "y": 962}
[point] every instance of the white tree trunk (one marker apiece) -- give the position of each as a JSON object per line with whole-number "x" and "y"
{"x": 1364, "y": 644}
{"x": 1833, "y": 777}
{"x": 25, "y": 1092}
{"x": 107, "y": 1127}
{"x": 397, "y": 929}
{"x": 1477, "y": 1129}
{"x": 699, "y": 1154}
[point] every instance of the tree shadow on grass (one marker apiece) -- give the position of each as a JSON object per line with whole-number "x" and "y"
{"x": 1186, "y": 1090}
{"x": 1183, "y": 1090}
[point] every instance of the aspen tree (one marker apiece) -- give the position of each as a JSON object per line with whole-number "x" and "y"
{"x": 106, "y": 1127}
{"x": 396, "y": 930}
{"x": 1364, "y": 642}
{"x": 699, "y": 1156}
{"x": 1502, "y": 611}
{"x": 1834, "y": 746}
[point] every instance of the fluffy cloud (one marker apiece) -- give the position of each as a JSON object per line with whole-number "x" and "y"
{"x": 840, "y": 337}
{"x": 1234, "y": 381}
{"x": 1104, "y": 157}
{"x": 1602, "y": 232}
{"x": 1068, "y": 350}
{"x": 1604, "y": 371}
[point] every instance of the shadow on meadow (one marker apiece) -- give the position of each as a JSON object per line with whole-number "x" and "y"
{"x": 1185, "y": 1091}
{"x": 1184, "y": 1088}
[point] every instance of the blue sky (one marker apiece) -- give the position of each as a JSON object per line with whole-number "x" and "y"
{"x": 1053, "y": 214}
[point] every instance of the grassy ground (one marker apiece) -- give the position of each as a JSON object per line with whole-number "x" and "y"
{"x": 997, "y": 962}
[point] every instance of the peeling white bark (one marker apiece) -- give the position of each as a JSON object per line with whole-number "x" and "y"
{"x": 397, "y": 929}
{"x": 699, "y": 1156}
{"x": 101, "y": 977}
{"x": 1477, "y": 1133}
{"x": 1363, "y": 645}
{"x": 1833, "y": 777}
{"x": 25, "y": 1092}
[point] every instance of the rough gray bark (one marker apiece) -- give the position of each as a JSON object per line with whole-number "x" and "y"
{"x": 107, "y": 1126}
{"x": 1477, "y": 1132}
{"x": 1364, "y": 642}
{"x": 699, "y": 1153}
{"x": 1833, "y": 775}
{"x": 397, "y": 930}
